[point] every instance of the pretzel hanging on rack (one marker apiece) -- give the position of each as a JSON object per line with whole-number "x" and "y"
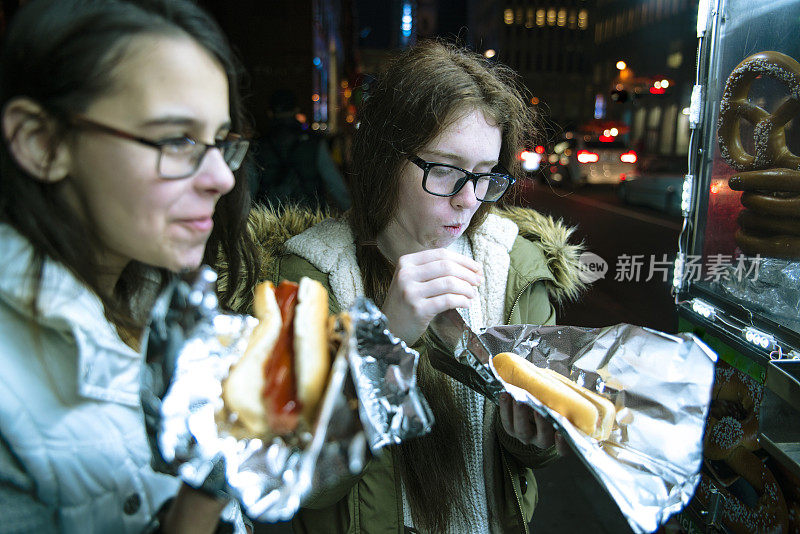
{"x": 770, "y": 177}
{"x": 732, "y": 437}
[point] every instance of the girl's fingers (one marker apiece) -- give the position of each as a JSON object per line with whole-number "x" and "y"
{"x": 438, "y": 254}
{"x": 506, "y": 413}
{"x": 442, "y": 268}
{"x": 435, "y": 305}
{"x": 446, "y": 285}
{"x": 524, "y": 425}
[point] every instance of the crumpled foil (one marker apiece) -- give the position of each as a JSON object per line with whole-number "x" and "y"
{"x": 660, "y": 384}
{"x": 775, "y": 292}
{"x": 372, "y": 400}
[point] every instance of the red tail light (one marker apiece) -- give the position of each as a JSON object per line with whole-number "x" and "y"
{"x": 540, "y": 149}
{"x": 628, "y": 157}
{"x": 622, "y": 177}
{"x": 584, "y": 156}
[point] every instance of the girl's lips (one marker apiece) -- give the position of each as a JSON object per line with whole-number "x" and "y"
{"x": 198, "y": 225}
{"x": 454, "y": 229}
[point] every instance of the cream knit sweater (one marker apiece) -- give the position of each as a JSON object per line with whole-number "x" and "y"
{"x": 470, "y": 403}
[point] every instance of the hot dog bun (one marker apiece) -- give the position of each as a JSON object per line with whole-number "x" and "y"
{"x": 588, "y": 411}
{"x": 251, "y": 411}
{"x": 241, "y": 391}
{"x": 312, "y": 356}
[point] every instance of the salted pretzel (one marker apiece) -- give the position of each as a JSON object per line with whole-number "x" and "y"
{"x": 768, "y": 513}
{"x": 772, "y": 193}
{"x": 732, "y": 436}
{"x": 769, "y": 135}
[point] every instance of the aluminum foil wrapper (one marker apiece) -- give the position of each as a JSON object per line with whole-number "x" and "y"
{"x": 660, "y": 384}
{"x": 371, "y": 401}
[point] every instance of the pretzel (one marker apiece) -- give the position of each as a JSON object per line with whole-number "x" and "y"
{"x": 768, "y": 129}
{"x": 754, "y": 224}
{"x": 774, "y": 205}
{"x": 733, "y": 421}
{"x": 768, "y": 513}
{"x": 766, "y": 180}
{"x": 773, "y": 246}
{"x": 731, "y": 436}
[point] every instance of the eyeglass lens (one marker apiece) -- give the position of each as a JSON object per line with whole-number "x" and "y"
{"x": 178, "y": 161}
{"x": 447, "y": 181}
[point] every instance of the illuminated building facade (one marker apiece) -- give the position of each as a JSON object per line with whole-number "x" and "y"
{"x": 656, "y": 43}
{"x": 549, "y": 43}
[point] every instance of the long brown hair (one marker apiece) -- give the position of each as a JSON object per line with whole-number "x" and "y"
{"x": 60, "y": 53}
{"x": 422, "y": 92}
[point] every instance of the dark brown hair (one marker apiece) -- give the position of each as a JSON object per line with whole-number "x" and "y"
{"x": 423, "y": 91}
{"x": 61, "y": 53}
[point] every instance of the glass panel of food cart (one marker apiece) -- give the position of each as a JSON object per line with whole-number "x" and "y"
{"x": 749, "y": 194}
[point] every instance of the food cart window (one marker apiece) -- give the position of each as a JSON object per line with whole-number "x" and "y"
{"x": 747, "y": 239}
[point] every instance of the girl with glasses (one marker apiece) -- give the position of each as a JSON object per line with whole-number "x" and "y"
{"x": 434, "y": 153}
{"x": 120, "y": 122}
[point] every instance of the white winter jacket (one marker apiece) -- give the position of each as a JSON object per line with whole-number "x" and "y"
{"x": 69, "y": 402}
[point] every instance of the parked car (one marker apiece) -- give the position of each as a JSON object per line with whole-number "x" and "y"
{"x": 583, "y": 160}
{"x": 657, "y": 184}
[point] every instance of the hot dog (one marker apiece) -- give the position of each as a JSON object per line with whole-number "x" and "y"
{"x": 277, "y": 384}
{"x": 588, "y": 411}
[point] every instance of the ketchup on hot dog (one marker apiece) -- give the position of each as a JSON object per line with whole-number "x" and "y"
{"x": 280, "y": 389}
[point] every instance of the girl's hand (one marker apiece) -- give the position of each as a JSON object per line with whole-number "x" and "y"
{"x": 522, "y": 422}
{"x": 425, "y": 284}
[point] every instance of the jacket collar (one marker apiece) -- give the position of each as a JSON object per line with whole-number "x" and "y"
{"x": 329, "y": 247}
{"x": 108, "y": 368}
{"x": 271, "y": 228}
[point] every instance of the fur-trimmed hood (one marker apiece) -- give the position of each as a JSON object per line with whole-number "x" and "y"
{"x": 271, "y": 228}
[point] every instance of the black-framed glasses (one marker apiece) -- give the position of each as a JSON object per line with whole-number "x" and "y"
{"x": 445, "y": 180}
{"x": 178, "y": 157}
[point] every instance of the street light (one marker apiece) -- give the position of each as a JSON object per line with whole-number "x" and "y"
{"x": 490, "y": 53}
{"x": 621, "y": 65}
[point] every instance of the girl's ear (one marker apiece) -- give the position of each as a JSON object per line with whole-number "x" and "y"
{"x": 29, "y": 133}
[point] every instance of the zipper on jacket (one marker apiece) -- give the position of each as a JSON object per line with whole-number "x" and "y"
{"x": 519, "y": 295}
{"x": 514, "y": 488}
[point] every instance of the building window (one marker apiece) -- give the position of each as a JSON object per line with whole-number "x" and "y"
{"x": 583, "y": 19}
{"x": 638, "y": 125}
{"x": 529, "y": 18}
{"x": 508, "y": 16}
{"x": 573, "y": 19}
{"x": 519, "y": 16}
{"x": 668, "y": 130}
{"x": 674, "y": 60}
{"x": 540, "y": 17}
{"x": 551, "y": 16}
{"x": 682, "y": 135}
{"x": 654, "y": 118}
{"x": 562, "y": 17}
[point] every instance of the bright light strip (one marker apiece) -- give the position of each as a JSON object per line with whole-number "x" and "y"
{"x": 686, "y": 195}
{"x": 704, "y": 309}
{"x": 585, "y": 156}
{"x": 628, "y": 157}
{"x": 677, "y": 274}
{"x": 759, "y": 338}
